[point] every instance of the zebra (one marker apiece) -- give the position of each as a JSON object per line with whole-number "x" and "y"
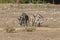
{"x": 37, "y": 20}
{"x": 23, "y": 20}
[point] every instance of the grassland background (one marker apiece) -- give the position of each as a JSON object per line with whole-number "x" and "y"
{"x": 9, "y": 13}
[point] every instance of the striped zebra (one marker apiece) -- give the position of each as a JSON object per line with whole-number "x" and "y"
{"x": 23, "y": 20}
{"x": 37, "y": 20}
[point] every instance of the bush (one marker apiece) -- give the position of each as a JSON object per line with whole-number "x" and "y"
{"x": 7, "y": 1}
{"x": 39, "y": 1}
{"x": 23, "y": 1}
{"x": 30, "y": 1}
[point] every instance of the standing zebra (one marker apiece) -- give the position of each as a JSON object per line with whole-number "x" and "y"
{"x": 38, "y": 20}
{"x": 23, "y": 20}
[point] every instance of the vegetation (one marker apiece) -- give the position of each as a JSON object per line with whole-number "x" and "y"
{"x": 21, "y": 1}
{"x": 29, "y": 29}
{"x": 7, "y": 1}
{"x": 29, "y": 1}
{"x": 10, "y": 29}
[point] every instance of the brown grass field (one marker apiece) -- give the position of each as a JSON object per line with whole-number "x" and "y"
{"x": 10, "y": 12}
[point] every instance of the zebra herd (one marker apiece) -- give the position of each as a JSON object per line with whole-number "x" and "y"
{"x": 33, "y": 20}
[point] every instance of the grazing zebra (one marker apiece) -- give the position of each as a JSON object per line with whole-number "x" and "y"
{"x": 23, "y": 20}
{"x": 37, "y": 20}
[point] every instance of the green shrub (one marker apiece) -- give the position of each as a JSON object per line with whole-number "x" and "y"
{"x": 39, "y": 1}
{"x": 23, "y": 1}
{"x": 26, "y": 1}
{"x": 7, "y": 1}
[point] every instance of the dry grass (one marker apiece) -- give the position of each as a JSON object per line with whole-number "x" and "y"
{"x": 10, "y": 12}
{"x": 29, "y": 29}
{"x": 10, "y": 29}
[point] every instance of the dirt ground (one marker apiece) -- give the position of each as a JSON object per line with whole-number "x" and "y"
{"x": 36, "y": 35}
{"x": 10, "y": 12}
